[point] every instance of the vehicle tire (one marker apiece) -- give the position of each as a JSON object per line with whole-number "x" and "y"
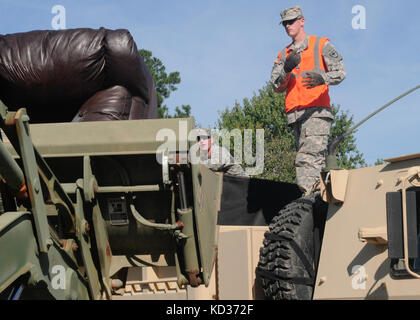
{"x": 288, "y": 258}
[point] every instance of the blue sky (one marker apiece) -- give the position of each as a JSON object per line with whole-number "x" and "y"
{"x": 224, "y": 51}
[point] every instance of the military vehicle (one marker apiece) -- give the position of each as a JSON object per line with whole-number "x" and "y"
{"x": 84, "y": 200}
{"x": 75, "y": 217}
{"x": 356, "y": 237}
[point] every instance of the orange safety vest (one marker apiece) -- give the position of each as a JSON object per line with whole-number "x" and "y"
{"x": 297, "y": 96}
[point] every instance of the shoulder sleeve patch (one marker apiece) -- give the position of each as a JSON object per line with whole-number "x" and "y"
{"x": 330, "y": 52}
{"x": 333, "y": 54}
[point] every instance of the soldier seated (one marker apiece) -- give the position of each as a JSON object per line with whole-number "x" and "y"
{"x": 215, "y": 157}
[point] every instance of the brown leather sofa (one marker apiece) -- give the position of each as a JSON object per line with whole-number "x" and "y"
{"x": 76, "y": 75}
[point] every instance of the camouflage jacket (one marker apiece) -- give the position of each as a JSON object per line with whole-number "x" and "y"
{"x": 222, "y": 161}
{"x": 335, "y": 74}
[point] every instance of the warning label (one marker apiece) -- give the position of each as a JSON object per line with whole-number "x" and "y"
{"x": 117, "y": 209}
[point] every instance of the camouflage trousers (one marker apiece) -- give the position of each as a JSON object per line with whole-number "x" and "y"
{"x": 311, "y": 137}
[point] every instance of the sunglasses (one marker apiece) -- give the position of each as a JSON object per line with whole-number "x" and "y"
{"x": 285, "y": 23}
{"x": 203, "y": 138}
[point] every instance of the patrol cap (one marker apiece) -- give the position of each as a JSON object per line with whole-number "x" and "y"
{"x": 291, "y": 13}
{"x": 203, "y": 132}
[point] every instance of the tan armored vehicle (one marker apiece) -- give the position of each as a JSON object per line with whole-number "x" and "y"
{"x": 356, "y": 238}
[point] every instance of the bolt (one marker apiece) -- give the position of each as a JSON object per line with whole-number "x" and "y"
{"x": 49, "y": 242}
{"x": 322, "y": 280}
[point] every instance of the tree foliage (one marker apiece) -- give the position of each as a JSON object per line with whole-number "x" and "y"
{"x": 183, "y": 112}
{"x": 165, "y": 84}
{"x": 379, "y": 162}
{"x": 347, "y": 154}
{"x": 265, "y": 110}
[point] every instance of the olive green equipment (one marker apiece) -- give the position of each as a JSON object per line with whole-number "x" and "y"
{"x": 81, "y": 202}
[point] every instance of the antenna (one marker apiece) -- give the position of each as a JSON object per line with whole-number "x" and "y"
{"x": 331, "y": 159}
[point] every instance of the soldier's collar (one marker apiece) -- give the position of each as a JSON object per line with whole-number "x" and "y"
{"x": 303, "y": 45}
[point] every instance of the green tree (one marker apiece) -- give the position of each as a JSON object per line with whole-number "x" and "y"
{"x": 379, "y": 162}
{"x": 183, "y": 112}
{"x": 165, "y": 84}
{"x": 265, "y": 110}
{"x": 347, "y": 154}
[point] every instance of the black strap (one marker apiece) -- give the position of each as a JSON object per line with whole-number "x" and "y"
{"x": 317, "y": 244}
{"x": 308, "y": 266}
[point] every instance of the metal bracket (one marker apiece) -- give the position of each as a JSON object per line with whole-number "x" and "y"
{"x": 90, "y": 188}
{"x": 82, "y": 233}
{"x": 16, "y": 127}
{"x": 334, "y": 185}
{"x": 32, "y": 180}
{"x": 165, "y": 168}
{"x": 90, "y": 185}
{"x": 377, "y": 236}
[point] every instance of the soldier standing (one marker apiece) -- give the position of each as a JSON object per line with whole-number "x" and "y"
{"x": 304, "y": 69}
{"x": 217, "y": 158}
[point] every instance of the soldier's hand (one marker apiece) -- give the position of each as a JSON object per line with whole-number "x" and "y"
{"x": 291, "y": 61}
{"x": 312, "y": 79}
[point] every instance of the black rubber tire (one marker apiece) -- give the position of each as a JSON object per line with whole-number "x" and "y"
{"x": 282, "y": 268}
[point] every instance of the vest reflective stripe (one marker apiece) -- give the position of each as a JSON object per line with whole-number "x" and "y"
{"x": 297, "y": 96}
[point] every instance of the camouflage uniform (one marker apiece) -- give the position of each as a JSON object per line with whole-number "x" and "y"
{"x": 222, "y": 161}
{"x": 311, "y": 125}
